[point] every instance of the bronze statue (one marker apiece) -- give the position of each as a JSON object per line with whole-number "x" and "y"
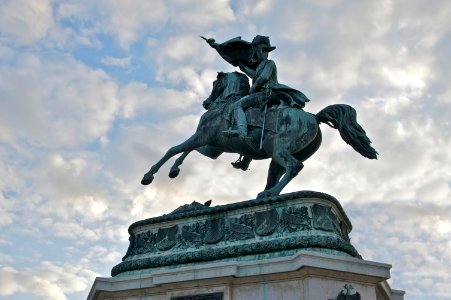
{"x": 284, "y": 132}
{"x": 265, "y": 86}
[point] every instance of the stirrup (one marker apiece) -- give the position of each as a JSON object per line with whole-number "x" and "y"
{"x": 241, "y": 163}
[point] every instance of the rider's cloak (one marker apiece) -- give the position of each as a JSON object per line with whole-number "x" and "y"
{"x": 237, "y": 51}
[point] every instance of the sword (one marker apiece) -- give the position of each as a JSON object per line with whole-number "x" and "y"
{"x": 268, "y": 96}
{"x": 263, "y": 127}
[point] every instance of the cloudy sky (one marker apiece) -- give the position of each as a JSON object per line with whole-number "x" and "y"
{"x": 92, "y": 93}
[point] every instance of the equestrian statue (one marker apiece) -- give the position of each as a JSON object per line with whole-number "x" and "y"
{"x": 264, "y": 120}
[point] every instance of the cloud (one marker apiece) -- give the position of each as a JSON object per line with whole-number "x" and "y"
{"x": 126, "y": 21}
{"x": 129, "y": 22}
{"x": 24, "y": 22}
{"x": 5, "y": 259}
{"x": 6, "y": 217}
{"x": 199, "y": 14}
{"x": 117, "y": 61}
{"x": 8, "y": 284}
{"x": 406, "y": 231}
{"x": 186, "y": 61}
{"x": 139, "y": 99}
{"x": 48, "y": 280}
{"x": 103, "y": 255}
{"x": 44, "y": 101}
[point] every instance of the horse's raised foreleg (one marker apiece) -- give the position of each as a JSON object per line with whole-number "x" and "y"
{"x": 187, "y": 146}
{"x": 204, "y": 150}
{"x": 175, "y": 170}
{"x": 292, "y": 167}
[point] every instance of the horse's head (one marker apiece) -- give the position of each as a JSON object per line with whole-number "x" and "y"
{"x": 227, "y": 85}
{"x": 218, "y": 88}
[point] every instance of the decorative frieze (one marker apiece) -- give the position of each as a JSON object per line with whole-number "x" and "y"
{"x": 313, "y": 222}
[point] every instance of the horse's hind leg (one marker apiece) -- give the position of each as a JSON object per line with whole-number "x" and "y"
{"x": 274, "y": 173}
{"x": 292, "y": 167}
{"x": 187, "y": 146}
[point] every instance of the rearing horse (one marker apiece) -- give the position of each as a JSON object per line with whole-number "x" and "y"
{"x": 296, "y": 137}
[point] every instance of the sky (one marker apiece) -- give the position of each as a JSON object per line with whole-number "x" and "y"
{"x": 92, "y": 93}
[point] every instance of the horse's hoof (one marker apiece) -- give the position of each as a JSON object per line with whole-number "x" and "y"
{"x": 262, "y": 195}
{"x": 266, "y": 194}
{"x": 174, "y": 172}
{"x": 147, "y": 179}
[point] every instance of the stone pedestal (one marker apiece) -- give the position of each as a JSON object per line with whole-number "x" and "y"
{"x": 294, "y": 246}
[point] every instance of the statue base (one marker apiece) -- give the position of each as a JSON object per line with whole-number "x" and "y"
{"x": 293, "y": 246}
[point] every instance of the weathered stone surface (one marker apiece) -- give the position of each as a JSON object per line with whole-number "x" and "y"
{"x": 213, "y": 296}
{"x": 304, "y": 275}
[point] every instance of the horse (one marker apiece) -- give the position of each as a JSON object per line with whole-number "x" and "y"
{"x": 296, "y": 137}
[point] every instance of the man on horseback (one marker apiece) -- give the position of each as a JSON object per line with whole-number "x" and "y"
{"x": 265, "y": 87}
{"x": 295, "y": 134}
{"x": 263, "y": 72}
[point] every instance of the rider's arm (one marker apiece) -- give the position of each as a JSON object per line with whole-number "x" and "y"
{"x": 268, "y": 69}
{"x": 248, "y": 71}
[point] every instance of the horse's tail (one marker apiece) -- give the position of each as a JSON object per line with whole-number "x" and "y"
{"x": 344, "y": 118}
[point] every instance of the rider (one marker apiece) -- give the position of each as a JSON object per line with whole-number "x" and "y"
{"x": 264, "y": 82}
{"x": 264, "y": 86}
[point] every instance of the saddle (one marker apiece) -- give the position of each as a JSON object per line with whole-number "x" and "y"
{"x": 255, "y": 116}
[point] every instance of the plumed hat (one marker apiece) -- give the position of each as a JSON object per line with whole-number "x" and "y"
{"x": 262, "y": 42}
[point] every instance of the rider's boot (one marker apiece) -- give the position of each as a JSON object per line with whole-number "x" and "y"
{"x": 242, "y": 163}
{"x": 241, "y": 123}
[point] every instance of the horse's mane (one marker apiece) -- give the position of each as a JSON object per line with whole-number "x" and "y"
{"x": 235, "y": 88}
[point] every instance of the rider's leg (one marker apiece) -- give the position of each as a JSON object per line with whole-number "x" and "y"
{"x": 239, "y": 115}
{"x": 242, "y": 164}
{"x": 240, "y": 119}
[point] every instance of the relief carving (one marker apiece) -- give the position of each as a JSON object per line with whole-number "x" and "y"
{"x": 266, "y": 222}
{"x": 191, "y": 235}
{"x": 295, "y": 219}
{"x": 325, "y": 219}
{"x": 166, "y": 238}
{"x": 241, "y": 228}
{"x": 214, "y": 231}
{"x": 144, "y": 242}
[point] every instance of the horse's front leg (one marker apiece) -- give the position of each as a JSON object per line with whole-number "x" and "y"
{"x": 175, "y": 170}
{"x": 187, "y": 146}
{"x": 204, "y": 150}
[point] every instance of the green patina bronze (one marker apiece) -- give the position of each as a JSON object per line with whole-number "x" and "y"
{"x": 248, "y": 230}
{"x": 196, "y": 209}
{"x": 265, "y": 120}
